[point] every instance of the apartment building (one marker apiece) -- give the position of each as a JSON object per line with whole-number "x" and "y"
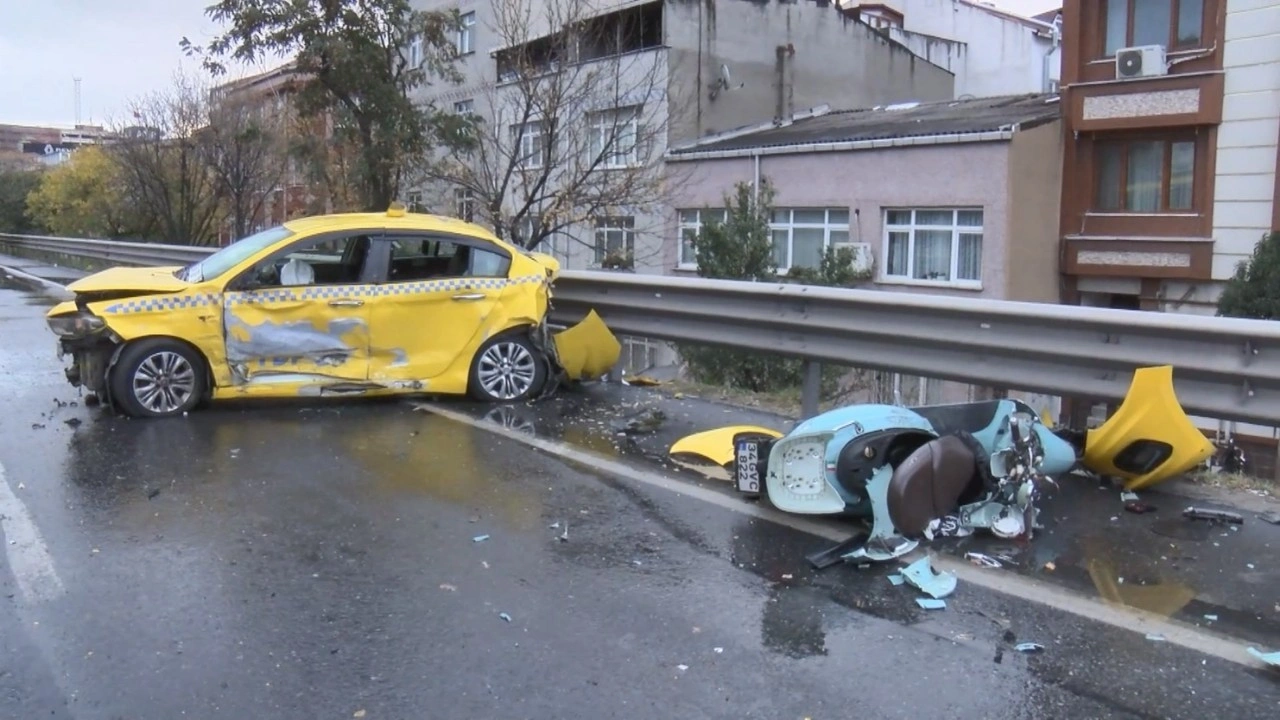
{"x": 719, "y": 66}
{"x": 1172, "y": 112}
{"x": 991, "y": 52}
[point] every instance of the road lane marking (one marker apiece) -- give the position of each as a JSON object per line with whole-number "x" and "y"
{"x": 29, "y": 558}
{"x": 1005, "y": 583}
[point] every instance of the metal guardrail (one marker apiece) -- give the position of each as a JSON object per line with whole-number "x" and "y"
{"x": 1225, "y": 368}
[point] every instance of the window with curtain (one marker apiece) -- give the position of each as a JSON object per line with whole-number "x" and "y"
{"x": 691, "y": 222}
{"x": 615, "y": 236}
{"x": 1175, "y": 24}
{"x": 934, "y": 245}
{"x": 1150, "y": 175}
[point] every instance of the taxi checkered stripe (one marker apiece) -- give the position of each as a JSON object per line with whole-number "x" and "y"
{"x": 179, "y": 302}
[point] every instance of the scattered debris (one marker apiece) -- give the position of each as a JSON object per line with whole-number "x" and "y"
{"x": 448, "y": 587}
{"x": 564, "y": 536}
{"x": 358, "y": 714}
{"x": 1128, "y": 496}
{"x": 718, "y": 650}
{"x": 1050, "y": 566}
{"x": 645, "y": 421}
{"x": 931, "y": 603}
{"x": 922, "y": 576}
{"x": 1211, "y": 618}
{"x": 682, "y": 667}
{"x": 1028, "y": 647}
{"x": 480, "y": 538}
{"x": 1272, "y": 659}
{"x": 505, "y": 616}
{"x": 1155, "y": 637}
{"x": 1272, "y": 517}
{"x": 978, "y": 558}
{"x": 1195, "y": 513}
{"x": 787, "y": 576}
{"x": 897, "y": 579}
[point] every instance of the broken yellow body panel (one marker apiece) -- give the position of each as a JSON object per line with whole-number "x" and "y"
{"x": 374, "y": 336}
{"x": 717, "y": 445}
{"x": 1149, "y": 439}
{"x": 587, "y": 350}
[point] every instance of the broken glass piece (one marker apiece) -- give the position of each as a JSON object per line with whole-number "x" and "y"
{"x": 922, "y": 575}
{"x": 1028, "y": 647}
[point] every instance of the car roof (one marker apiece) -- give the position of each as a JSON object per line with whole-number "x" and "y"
{"x": 407, "y": 221}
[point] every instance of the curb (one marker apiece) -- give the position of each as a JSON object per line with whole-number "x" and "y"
{"x": 40, "y": 284}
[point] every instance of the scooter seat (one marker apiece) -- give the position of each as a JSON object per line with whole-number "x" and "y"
{"x": 929, "y": 483}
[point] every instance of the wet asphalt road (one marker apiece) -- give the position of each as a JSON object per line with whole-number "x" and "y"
{"x": 316, "y": 561}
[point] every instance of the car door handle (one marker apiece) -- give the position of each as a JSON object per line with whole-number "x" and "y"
{"x": 345, "y": 303}
{"x": 469, "y": 296}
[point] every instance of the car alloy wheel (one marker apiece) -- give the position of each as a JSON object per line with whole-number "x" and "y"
{"x": 507, "y": 370}
{"x": 163, "y": 382}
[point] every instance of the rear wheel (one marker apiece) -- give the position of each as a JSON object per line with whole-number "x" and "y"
{"x": 158, "y": 377}
{"x": 508, "y": 368}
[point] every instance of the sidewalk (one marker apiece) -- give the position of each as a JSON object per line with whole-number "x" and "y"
{"x": 38, "y": 273}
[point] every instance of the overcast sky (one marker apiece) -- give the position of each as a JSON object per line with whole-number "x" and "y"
{"x": 120, "y": 49}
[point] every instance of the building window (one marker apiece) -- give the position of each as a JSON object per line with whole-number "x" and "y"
{"x": 415, "y": 51}
{"x": 613, "y": 137}
{"x": 615, "y": 239}
{"x": 467, "y": 34}
{"x": 1171, "y": 23}
{"x": 691, "y": 222}
{"x": 464, "y": 204}
{"x": 1145, "y": 176}
{"x": 530, "y": 144}
{"x": 801, "y": 236}
{"x": 934, "y": 245}
{"x": 464, "y": 107}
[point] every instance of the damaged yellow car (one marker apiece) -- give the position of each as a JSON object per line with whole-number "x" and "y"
{"x": 346, "y": 304}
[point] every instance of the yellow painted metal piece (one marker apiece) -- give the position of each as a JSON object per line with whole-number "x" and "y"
{"x": 314, "y": 339}
{"x": 1150, "y": 412}
{"x": 717, "y": 445}
{"x": 587, "y": 350}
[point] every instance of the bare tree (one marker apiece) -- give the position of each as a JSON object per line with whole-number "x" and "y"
{"x": 572, "y": 132}
{"x": 163, "y": 165}
{"x": 245, "y": 148}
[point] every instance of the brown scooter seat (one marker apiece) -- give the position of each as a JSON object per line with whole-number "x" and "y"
{"x": 929, "y": 483}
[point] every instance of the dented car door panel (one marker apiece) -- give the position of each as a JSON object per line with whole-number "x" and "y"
{"x": 302, "y": 316}
{"x": 442, "y": 296}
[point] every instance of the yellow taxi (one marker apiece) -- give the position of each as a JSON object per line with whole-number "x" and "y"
{"x": 331, "y": 305}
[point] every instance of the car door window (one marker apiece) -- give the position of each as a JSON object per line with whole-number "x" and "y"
{"x": 423, "y": 257}
{"x": 329, "y": 260}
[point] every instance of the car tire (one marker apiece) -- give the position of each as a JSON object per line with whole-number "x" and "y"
{"x": 507, "y": 368}
{"x": 158, "y": 377}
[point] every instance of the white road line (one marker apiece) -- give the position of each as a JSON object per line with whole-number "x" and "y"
{"x": 1006, "y": 583}
{"x": 29, "y": 559}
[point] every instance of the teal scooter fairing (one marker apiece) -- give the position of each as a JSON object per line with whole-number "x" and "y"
{"x": 915, "y": 473}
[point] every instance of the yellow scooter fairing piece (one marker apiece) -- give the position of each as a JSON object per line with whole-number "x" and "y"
{"x": 1150, "y": 438}
{"x": 717, "y": 445}
{"x": 587, "y": 350}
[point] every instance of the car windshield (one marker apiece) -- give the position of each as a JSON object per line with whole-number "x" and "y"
{"x": 233, "y": 254}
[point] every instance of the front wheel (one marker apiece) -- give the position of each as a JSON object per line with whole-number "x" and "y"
{"x": 508, "y": 368}
{"x": 157, "y": 377}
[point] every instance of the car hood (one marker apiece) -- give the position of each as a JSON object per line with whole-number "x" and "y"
{"x": 142, "y": 280}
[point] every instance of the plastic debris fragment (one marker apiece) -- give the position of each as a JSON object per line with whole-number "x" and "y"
{"x": 1155, "y": 637}
{"x": 978, "y": 558}
{"x": 1128, "y": 496}
{"x": 1211, "y": 618}
{"x": 505, "y": 616}
{"x": 480, "y": 538}
{"x": 922, "y": 575}
{"x": 1028, "y": 647}
{"x": 897, "y": 579}
{"x": 1195, "y": 513}
{"x": 1272, "y": 659}
{"x": 931, "y": 604}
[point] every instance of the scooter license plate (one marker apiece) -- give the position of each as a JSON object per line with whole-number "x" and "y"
{"x": 747, "y": 466}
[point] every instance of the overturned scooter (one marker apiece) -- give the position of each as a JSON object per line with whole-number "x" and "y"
{"x": 914, "y": 472}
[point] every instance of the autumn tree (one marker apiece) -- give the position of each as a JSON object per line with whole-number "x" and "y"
{"x": 86, "y": 197}
{"x": 1254, "y": 290}
{"x": 356, "y": 54}
{"x": 16, "y": 183}
{"x": 572, "y": 130}
{"x": 245, "y": 147}
{"x": 163, "y": 165}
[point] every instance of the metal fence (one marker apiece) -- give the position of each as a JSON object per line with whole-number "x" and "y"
{"x": 1225, "y": 368}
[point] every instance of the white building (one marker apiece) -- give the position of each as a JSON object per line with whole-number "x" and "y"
{"x": 991, "y": 52}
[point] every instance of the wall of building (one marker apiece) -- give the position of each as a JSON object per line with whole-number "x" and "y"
{"x": 1035, "y": 198}
{"x": 866, "y": 181}
{"x": 1245, "y": 182}
{"x": 826, "y": 58}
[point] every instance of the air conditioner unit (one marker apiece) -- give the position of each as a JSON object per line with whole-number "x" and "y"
{"x": 1141, "y": 61}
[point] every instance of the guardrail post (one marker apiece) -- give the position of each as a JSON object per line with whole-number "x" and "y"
{"x": 811, "y": 390}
